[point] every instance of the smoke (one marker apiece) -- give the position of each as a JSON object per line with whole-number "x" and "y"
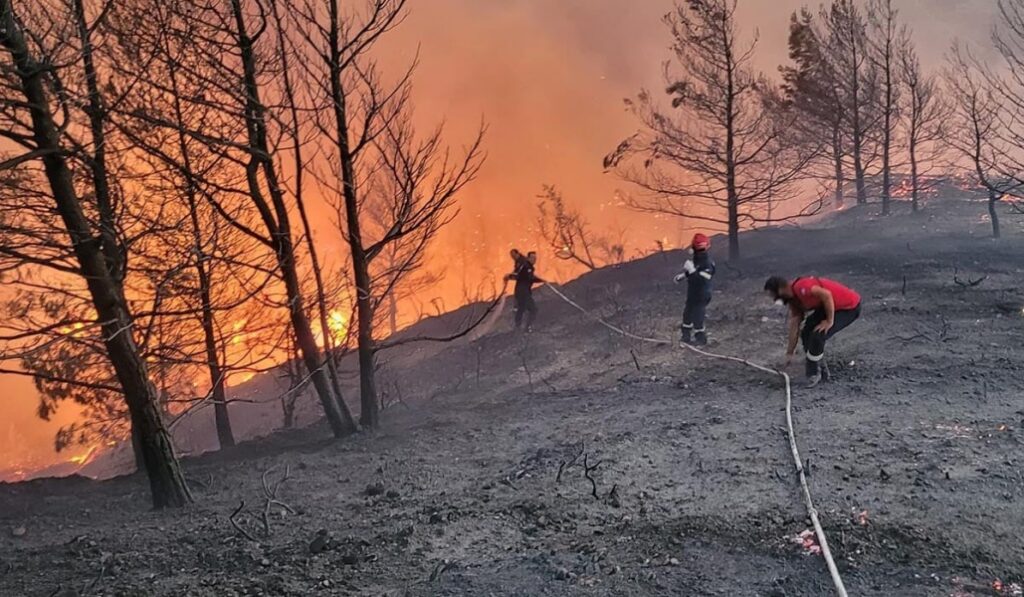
{"x": 548, "y": 77}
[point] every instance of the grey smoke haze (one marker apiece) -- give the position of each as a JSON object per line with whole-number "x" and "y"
{"x": 549, "y": 77}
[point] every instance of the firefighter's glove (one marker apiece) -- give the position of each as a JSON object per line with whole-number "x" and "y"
{"x": 679, "y": 278}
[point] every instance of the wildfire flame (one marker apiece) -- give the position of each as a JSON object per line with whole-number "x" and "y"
{"x": 74, "y": 330}
{"x": 338, "y": 324}
{"x": 238, "y": 335}
{"x": 83, "y": 458}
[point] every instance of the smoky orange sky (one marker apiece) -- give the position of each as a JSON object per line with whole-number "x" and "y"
{"x": 548, "y": 78}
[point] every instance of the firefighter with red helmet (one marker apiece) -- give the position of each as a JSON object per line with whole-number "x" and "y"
{"x": 698, "y": 273}
{"x": 824, "y": 307}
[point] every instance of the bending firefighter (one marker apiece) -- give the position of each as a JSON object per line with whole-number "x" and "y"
{"x": 523, "y": 274}
{"x": 697, "y": 273}
{"x": 824, "y": 306}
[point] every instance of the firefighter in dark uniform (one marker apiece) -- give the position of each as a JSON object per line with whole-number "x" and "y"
{"x": 698, "y": 273}
{"x": 524, "y": 277}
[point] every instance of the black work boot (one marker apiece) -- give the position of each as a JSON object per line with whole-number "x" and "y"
{"x": 701, "y": 338}
{"x": 813, "y": 373}
{"x": 686, "y": 337}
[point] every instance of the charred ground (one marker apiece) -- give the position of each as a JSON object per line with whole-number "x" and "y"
{"x": 482, "y": 480}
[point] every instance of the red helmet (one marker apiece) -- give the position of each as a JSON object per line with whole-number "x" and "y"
{"x": 700, "y": 242}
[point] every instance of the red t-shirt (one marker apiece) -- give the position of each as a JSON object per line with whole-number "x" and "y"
{"x": 844, "y": 298}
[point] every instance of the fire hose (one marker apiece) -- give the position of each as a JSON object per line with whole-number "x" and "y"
{"x": 812, "y": 512}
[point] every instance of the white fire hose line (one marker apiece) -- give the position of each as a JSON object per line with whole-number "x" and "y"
{"x": 808, "y": 503}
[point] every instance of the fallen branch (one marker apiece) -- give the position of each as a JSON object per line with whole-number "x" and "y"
{"x": 613, "y": 497}
{"x": 908, "y": 339}
{"x": 636, "y": 361}
{"x": 235, "y": 524}
{"x": 587, "y": 469}
{"x": 270, "y": 494}
{"x": 445, "y": 339}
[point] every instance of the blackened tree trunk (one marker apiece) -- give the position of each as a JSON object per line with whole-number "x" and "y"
{"x": 218, "y": 393}
{"x": 914, "y": 181}
{"x": 730, "y": 157}
{"x": 858, "y": 159}
{"x": 167, "y": 483}
{"x": 926, "y": 122}
{"x": 837, "y": 158}
{"x": 887, "y": 117}
{"x": 887, "y": 145}
{"x": 849, "y": 29}
{"x": 222, "y": 418}
{"x": 96, "y": 112}
{"x": 369, "y": 414}
{"x": 890, "y": 43}
{"x": 300, "y": 201}
{"x": 276, "y": 218}
{"x": 993, "y": 214}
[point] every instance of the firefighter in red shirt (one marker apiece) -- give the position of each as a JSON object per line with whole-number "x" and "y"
{"x": 824, "y": 307}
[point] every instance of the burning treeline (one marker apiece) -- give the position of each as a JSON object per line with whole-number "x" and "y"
{"x": 168, "y": 163}
{"x": 179, "y": 145}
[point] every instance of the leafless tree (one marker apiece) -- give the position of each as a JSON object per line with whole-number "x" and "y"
{"x": 233, "y": 67}
{"x": 569, "y": 234}
{"x": 295, "y": 128}
{"x": 298, "y": 381}
{"x": 974, "y": 133}
{"x": 375, "y": 152}
{"x": 722, "y": 155}
{"x": 1007, "y": 84}
{"x": 889, "y": 42}
{"x": 926, "y": 125}
{"x": 55, "y": 112}
{"x": 400, "y": 273}
{"x": 812, "y": 88}
{"x": 857, "y": 82}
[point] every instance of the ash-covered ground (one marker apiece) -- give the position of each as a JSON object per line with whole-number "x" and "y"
{"x": 483, "y": 478}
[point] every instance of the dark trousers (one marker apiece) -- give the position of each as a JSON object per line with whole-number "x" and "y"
{"x": 814, "y": 342}
{"x": 525, "y": 306}
{"x": 693, "y": 313}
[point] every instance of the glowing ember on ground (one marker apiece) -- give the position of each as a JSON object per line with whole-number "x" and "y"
{"x": 809, "y": 542}
{"x": 956, "y": 430}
